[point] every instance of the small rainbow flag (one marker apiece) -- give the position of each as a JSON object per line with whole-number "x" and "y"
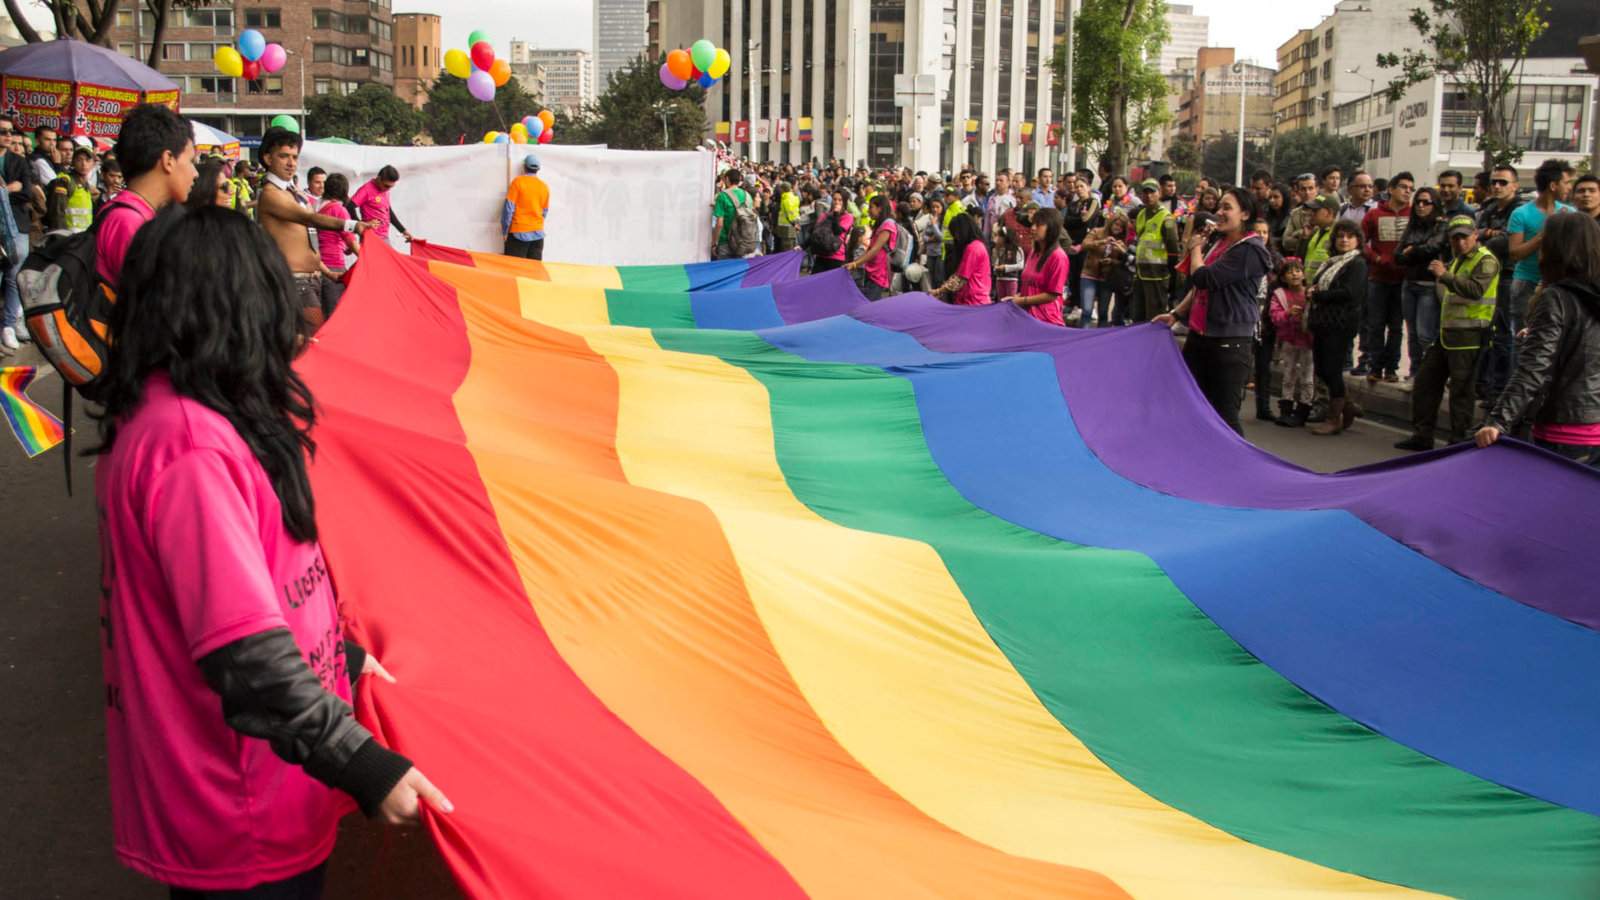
{"x": 35, "y": 427}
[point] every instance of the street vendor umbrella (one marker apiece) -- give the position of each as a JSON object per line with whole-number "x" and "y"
{"x": 77, "y": 88}
{"x": 208, "y": 139}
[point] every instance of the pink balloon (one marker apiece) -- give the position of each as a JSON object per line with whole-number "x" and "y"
{"x": 671, "y": 81}
{"x": 481, "y": 86}
{"x": 273, "y": 59}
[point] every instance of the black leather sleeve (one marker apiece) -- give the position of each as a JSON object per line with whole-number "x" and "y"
{"x": 1536, "y": 363}
{"x": 269, "y": 692}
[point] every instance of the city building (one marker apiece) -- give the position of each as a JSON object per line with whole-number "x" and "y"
{"x": 1210, "y": 108}
{"x": 932, "y": 84}
{"x": 330, "y": 51}
{"x": 1336, "y": 61}
{"x": 418, "y": 45}
{"x": 652, "y": 31}
{"x": 568, "y": 74}
{"x": 1186, "y": 34}
{"x": 1294, "y": 101}
{"x": 620, "y": 36}
{"x": 534, "y": 79}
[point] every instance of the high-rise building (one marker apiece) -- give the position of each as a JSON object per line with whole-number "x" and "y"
{"x": 330, "y": 51}
{"x": 568, "y": 74}
{"x": 1186, "y": 34}
{"x": 620, "y": 35}
{"x": 1294, "y": 103}
{"x": 1210, "y": 107}
{"x": 826, "y": 78}
{"x": 418, "y": 44}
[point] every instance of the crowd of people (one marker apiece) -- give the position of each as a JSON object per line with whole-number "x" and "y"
{"x": 1290, "y": 284}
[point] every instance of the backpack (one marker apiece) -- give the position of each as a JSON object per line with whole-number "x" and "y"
{"x": 824, "y": 241}
{"x": 904, "y": 244}
{"x": 744, "y": 238}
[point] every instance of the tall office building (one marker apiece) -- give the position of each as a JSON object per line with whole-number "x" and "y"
{"x": 417, "y": 43}
{"x": 825, "y": 78}
{"x": 620, "y": 35}
{"x": 568, "y": 74}
{"x": 1186, "y": 34}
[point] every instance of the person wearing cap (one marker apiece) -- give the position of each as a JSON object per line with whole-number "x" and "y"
{"x": 1298, "y": 231}
{"x": 527, "y": 205}
{"x": 1467, "y": 289}
{"x": 1324, "y": 212}
{"x": 1155, "y": 249}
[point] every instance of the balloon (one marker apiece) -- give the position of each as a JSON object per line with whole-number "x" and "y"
{"x": 527, "y": 122}
{"x": 477, "y": 37}
{"x": 457, "y": 63}
{"x": 481, "y": 86}
{"x": 545, "y": 136}
{"x": 670, "y": 81}
{"x": 707, "y": 81}
{"x": 535, "y": 127}
{"x": 229, "y": 62}
{"x": 252, "y": 70}
{"x": 694, "y": 73}
{"x": 679, "y": 64}
{"x": 483, "y": 55}
{"x": 273, "y": 58}
{"x": 719, "y": 66}
{"x": 501, "y": 138}
{"x": 519, "y": 133}
{"x": 500, "y": 71}
{"x": 548, "y": 118}
{"x": 251, "y": 44}
{"x": 489, "y": 136}
{"x": 704, "y": 53}
{"x": 286, "y": 122}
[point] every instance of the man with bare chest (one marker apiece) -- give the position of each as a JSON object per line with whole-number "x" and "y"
{"x": 283, "y": 214}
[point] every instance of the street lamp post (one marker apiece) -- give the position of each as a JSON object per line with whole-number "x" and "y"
{"x": 1238, "y": 165}
{"x": 1372, "y": 86}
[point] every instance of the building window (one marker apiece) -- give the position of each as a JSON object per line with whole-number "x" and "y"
{"x": 324, "y": 86}
{"x": 1327, "y": 40}
{"x": 175, "y": 52}
{"x": 126, "y": 49}
{"x": 220, "y": 21}
{"x": 1311, "y": 78}
{"x": 263, "y": 18}
{"x": 217, "y": 84}
{"x": 124, "y": 18}
{"x": 1327, "y": 70}
{"x": 267, "y": 84}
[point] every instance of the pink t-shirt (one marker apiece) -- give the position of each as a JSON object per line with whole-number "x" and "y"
{"x": 374, "y": 207}
{"x": 194, "y": 556}
{"x": 877, "y": 268}
{"x": 1585, "y": 435}
{"x": 974, "y": 267}
{"x": 332, "y": 244}
{"x": 1050, "y": 277}
{"x": 846, "y": 222}
{"x": 120, "y": 220}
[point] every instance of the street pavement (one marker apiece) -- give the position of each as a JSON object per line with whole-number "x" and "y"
{"x": 53, "y": 783}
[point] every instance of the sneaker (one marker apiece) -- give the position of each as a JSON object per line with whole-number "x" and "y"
{"x": 1414, "y": 442}
{"x": 22, "y": 333}
{"x": 1389, "y": 378}
{"x": 8, "y": 339}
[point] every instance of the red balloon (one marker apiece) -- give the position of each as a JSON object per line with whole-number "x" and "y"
{"x": 694, "y": 73}
{"x": 545, "y": 136}
{"x": 252, "y": 70}
{"x": 483, "y": 55}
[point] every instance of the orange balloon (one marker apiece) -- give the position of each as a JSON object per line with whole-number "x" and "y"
{"x": 548, "y": 118}
{"x": 679, "y": 64}
{"x": 500, "y": 72}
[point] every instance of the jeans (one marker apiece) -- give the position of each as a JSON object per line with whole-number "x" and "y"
{"x": 1509, "y": 315}
{"x": 1583, "y": 456}
{"x": 1380, "y": 342}
{"x": 872, "y": 290}
{"x": 1221, "y": 367}
{"x": 1421, "y": 308}
{"x": 12, "y": 316}
{"x": 525, "y": 249}
{"x": 1088, "y": 289}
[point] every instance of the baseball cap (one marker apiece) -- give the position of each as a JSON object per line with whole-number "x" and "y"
{"x": 1149, "y": 184}
{"x": 1326, "y": 201}
{"x": 1462, "y": 225}
{"x": 530, "y": 162}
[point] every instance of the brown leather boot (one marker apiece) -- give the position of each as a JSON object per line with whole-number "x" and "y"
{"x": 1337, "y": 415}
{"x": 1352, "y": 412}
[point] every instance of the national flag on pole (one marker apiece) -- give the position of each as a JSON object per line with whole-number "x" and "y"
{"x": 783, "y": 131}
{"x": 763, "y": 132}
{"x": 741, "y": 131}
{"x": 972, "y": 131}
{"x": 1052, "y": 135}
{"x": 804, "y": 124}
{"x": 1027, "y": 132}
{"x": 999, "y": 131}
{"x": 35, "y": 427}
{"x": 724, "y": 130}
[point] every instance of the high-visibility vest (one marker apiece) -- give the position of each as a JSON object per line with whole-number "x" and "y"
{"x": 1317, "y": 251}
{"x": 1477, "y": 314}
{"x": 1150, "y": 251}
{"x": 80, "y": 206}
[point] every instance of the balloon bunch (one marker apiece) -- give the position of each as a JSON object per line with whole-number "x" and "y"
{"x": 479, "y": 67}
{"x": 703, "y": 64}
{"x": 253, "y": 57}
{"x": 539, "y": 129}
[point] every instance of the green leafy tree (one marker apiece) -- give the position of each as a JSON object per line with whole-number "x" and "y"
{"x": 1118, "y": 92}
{"x": 1184, "y": 152}
{"x": 1479, "y": 45}
{"x": 638, "y": 112}
{"x": 1309, "y": 150}
{"x": 453, "y": 115}
{"x": 1222, "y": 154}
{"x": 371, "y": 114}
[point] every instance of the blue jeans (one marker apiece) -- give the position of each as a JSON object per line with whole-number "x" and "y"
{"x": 1088, "y": 288}
{"x": 1509, "y": 315}
{"x": 12, "y": 316}
{"x": 1420, "y": 305}
{"x": 1380, "y": 341}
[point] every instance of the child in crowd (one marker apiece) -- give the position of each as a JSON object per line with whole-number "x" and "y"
{"x": 1008, "y": 262}
{"x": 1288, "y": 313}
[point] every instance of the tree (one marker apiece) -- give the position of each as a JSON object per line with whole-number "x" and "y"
{"x": 452, "y": 115}
{"x": 1184, "y": 152}
{"x": 1118, "y": 92}
{"x": 93, "y": 24}
{"x": 638, "y": 112}
{"x": 158, "y": 35}
{"x": 1479, "y": 45}
{"x": 371, "y": 114}
{"x": 1309, "y": 150}
{"x": 1222, "y": 155}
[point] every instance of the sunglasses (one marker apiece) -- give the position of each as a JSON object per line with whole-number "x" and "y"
{"x": 1499, "y": 182}
{"x": 1424, "y": 203}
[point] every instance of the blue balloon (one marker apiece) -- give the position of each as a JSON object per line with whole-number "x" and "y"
{"x": 251, "y": 44}
{"x": 706, "y": 80}
{"x": 502, "y": 138}
{"x": 535, "y": 126}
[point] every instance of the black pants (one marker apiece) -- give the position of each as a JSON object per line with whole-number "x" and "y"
{"x": 1328, "y": 349}
{"x": 305, "y": 886}
{"x": 1266, "y": 346}
{"x": 1439, "y": 365}
{"x": 1583, "y": 456}
{"x": 525, "y": 249}
{"x": 828, "y": 264}
{"x": 1221, "y": 367}
{"x": 871, "y": 290}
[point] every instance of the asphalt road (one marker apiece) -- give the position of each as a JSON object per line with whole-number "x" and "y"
{"x": 53, "y": 795}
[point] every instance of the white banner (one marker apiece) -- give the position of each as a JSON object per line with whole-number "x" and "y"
{"x": 607, "y": 207}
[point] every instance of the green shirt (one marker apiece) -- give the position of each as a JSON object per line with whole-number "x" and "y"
{"x": 728, "y": 203}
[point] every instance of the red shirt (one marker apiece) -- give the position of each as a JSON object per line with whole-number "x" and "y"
{"x": 1046, "y": 276}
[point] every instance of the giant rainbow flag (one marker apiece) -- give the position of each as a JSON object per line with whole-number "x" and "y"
{"x": 713, "y": 581}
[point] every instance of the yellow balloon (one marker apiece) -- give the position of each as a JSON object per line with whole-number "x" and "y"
{"x": 228, "y": 61}
{"x": 488, "y": 137}
{"x": 457, "y": 63}
{"x": 519, "y": 133}
{"x": 719, "y": 66}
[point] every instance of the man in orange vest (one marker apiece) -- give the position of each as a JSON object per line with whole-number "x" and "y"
{"x": 522, "y": 220}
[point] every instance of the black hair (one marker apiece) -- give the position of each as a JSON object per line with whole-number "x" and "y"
{"x": 1453, "y": 173}
{"x": 963, "y": 231}
{"x": 150, "y": 130}
{"x": 1550, "y": 172}
{"x": 1050, "y": 218}
{"x": 207, "y": 298}
{"x": 1261, "y": 175}
{"x": 1247, "y": 204}
{"x": 38, "y": 133}
{"x": 110, "y": 166}
{"x": 389, "y": 173}
{"x": 1345, "y": 226}
{"x": 315, "y": 171}
{"x": 1402, "y": 176}
{"x": 209, "y": 178}
{"x": 337, "y": 187}
{"x": 1323, "y": 175}
{"x": 279, "y": 137}
{"x": 1586, "y": 178}
{"x": 1571, "y": 249}
{"x": 877, "y": 203}
{"x": 1438, "y": 205}
{"x": 1167, "y": 179}
{"x": 1290, "y": 262}
{"x": 1506, "y": 167}
{"x": 731, "y": 176}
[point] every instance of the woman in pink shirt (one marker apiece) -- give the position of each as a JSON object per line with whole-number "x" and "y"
{"x": 875, "y": 261}
{"x": 334, "y": 246}
{"x": 1044, "y": 276}
{"x": 230, "y": 739}
{"x": 969, "y": 286}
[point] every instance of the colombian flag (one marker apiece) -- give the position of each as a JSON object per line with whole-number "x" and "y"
{"x": 804, "y": 125}
{"x": 714, "y": 581}
{"x": 723, "y": 131}
{"x": 1027, "y": 132}
{"x": 972, "y": 131}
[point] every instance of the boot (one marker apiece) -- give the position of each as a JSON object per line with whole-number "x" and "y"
{"x": 1285, "y": 407}
{"x": 1352, "y": 412}
{"x": 1415, "y": 442}
{"x": 1337, "y": 416}
{"x": 1264, "y": 407}
{"x": 1297, "y": 419}
{"x": 1286, "y": 414}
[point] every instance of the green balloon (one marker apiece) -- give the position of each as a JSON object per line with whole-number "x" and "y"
{"x": 704, "y": 53}
{"x": 286, "y": 122}
{"x": 475, "y": 37}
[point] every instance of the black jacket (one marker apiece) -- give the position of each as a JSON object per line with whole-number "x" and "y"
{"x": 1558, "y": 364}
{"x": 1422, "y": 243}
{"x": 1235, "y": 285}
{"x": 1497, "y": 215}
{"x": 1337, "y": 310}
